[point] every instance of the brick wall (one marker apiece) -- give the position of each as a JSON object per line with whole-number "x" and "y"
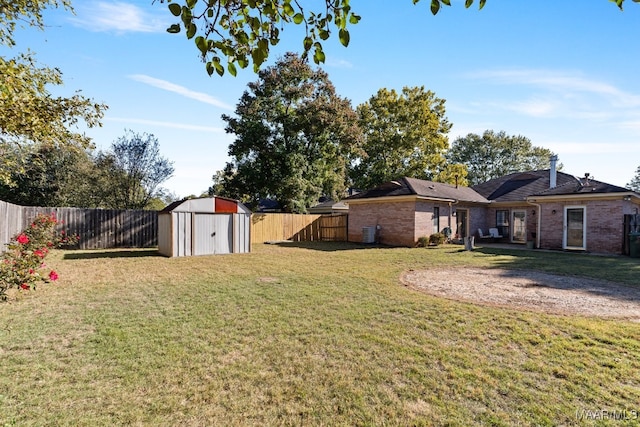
{"x": 396, "y": 221}
{"x": 403, "y": 223}
{"x": 605, "y": 221}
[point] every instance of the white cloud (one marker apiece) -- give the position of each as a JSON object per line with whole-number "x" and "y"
{"x": 166, "y": 124}
{"x": 563, "y": 82}
{"x": 339, "y": 63}
{"x": 180, "y": 90}
{"x": 118, "y": 17}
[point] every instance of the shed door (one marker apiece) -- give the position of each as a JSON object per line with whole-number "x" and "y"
{"x": 213, "y": 234}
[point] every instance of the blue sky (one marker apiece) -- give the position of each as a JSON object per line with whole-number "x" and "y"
{"x": 562, "y": 73}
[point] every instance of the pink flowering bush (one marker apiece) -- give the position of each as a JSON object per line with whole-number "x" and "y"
{"x": 22, "y": 265}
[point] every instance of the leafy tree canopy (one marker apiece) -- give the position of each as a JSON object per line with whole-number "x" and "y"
{"x": 29, "y": 114}
{"x": 492, "y": 155}
{"x": 405, "y": 134}
{"x": 243, "y": 30}
{"x": 28, "y": 12}
{"x": 634, "y": 184}
{"x": 52, "y": 176}
{"x": 294, "y": 137}
{"x": 133, "y": 170}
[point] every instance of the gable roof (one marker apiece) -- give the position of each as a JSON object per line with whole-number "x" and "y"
{"x": 421, "y": 188}
{"x": 516, "y": 187}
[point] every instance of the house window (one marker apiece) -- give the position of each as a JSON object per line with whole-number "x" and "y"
{"x": 502, "y": 222}
{"x": 436, "y": 219}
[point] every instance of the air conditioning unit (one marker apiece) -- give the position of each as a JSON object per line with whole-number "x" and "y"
{"x": 368, "y": 234}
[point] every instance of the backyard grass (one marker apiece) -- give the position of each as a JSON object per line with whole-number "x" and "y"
{"x": 307, "y": 334}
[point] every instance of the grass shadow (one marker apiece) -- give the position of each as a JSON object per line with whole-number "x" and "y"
{"x": 113, "y": 253}
{"x": 609, "y": 268}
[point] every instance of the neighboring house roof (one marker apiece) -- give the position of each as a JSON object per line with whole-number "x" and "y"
{"x": 418, "y": 187}
{"x": 516, "y": 187}
{"x": 329, "y": 206}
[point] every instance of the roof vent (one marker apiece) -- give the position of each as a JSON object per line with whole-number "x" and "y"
{"x": 586, "y": 180}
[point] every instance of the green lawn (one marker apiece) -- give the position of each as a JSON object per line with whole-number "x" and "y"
{"x": 306, "y": 334}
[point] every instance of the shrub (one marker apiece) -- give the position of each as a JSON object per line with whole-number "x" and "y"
{"x": 423, "y": 242}
{"x": 437, "y": 239}
{"x": 22, "y": 265}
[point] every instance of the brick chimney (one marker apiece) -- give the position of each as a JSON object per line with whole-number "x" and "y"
{"x": 553, "y": 174}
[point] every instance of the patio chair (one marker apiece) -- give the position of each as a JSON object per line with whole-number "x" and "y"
{"x": 493, "y": 232}
{"x": 481, "y": 235}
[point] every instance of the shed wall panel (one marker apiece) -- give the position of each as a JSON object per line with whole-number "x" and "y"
{"x": 165, "y": 232}
{"x": 241, "y": 233}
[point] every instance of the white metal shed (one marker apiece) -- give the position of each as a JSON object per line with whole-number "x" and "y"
{"x": 205, "y": 226}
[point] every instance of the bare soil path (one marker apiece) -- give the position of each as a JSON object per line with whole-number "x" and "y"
{"x": 530, "y": 290}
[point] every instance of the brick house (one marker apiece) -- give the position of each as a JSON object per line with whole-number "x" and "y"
{"x": 402, "y": 211}
{"x": 547, "y": 208}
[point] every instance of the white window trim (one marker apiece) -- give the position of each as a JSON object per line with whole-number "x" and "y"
{"x": 584, "y": 227}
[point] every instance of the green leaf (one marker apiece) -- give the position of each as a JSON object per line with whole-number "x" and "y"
{"x": 288, "y": 10}
{"x": 318, "y": 56}
{"x": 191, "y": 30}
{"x": 218, "y": 66}
{"x": 307, "y": 43}
{"x": 482, "y": 2}
{"x": 298, "y": 18}
{"x": 201, "y": 44}
{"x": 232, "y": 69}
{"x": 209, "y": 68}
{"x": 447, "y": 2}
{"x": 468, "y": 3}
{"x": 324, "y": 34}
{"x": 175, "y": 9}
{"x": 435, "y": 6}
{"x": 344, "y": 37}
{"x": 191, "y": 3}
{"x": 354, "y": 19}
{"x": 174, "y": 29}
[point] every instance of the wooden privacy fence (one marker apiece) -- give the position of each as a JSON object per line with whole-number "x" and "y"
{"x": 111, "y": 228}
{"x": 298, "y": 227}
{"x": 97, "y": 228}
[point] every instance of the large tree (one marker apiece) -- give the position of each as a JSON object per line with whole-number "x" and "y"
{"x": 634, "y": 184}
{"x": 492, "y": 155}
{"x": 294, "y": 137}
{"x": 133, "y": 170}
{"x": 405, "y": 134}
{"x": 239, "y": 32}
{"x": 52, "y": 176}
{"x": 29, "y": 114}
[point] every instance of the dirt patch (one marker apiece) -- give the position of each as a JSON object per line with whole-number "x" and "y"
{"x": 530, "y": 290}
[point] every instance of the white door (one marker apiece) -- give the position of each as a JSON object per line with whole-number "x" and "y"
{"x": 519, "y": 226}
{"x": 575, "y": 228}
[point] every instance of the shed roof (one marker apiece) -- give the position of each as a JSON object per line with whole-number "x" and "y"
{"x": 419, "y": 187}
{"x": 205, "y": 205}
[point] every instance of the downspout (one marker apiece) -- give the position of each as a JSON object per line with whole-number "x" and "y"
{"x": 539, "y": 221}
